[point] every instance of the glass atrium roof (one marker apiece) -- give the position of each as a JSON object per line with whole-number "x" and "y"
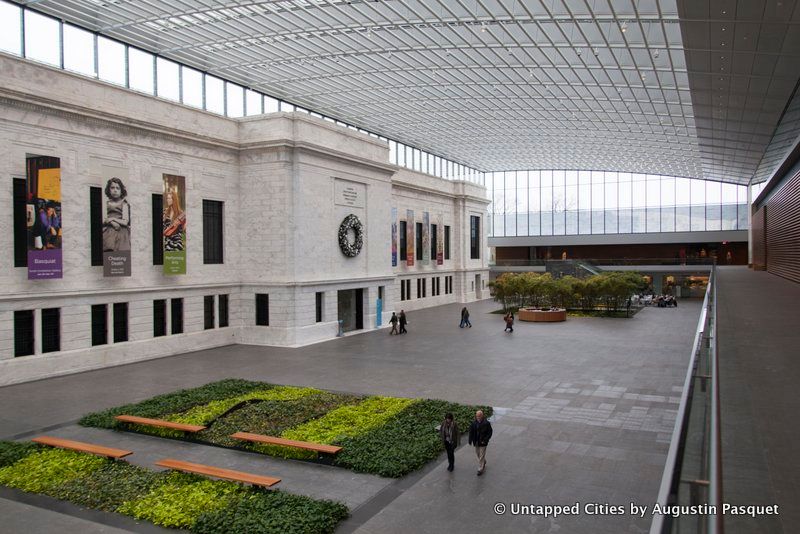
{"x": 677, "y": 87}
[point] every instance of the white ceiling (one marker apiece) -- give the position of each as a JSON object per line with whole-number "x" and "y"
{"x": 689, "y": 88}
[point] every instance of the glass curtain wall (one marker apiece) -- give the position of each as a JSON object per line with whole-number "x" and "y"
{"x": 32, "y": 35}
{"x": 558, "y": 202}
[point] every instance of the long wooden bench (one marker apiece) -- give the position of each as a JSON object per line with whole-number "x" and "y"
{"x": 158, "y": 422}
{"x": 99, "y": 450}
{"x": 227, "y": 474}
{"x": 270, "y": 440}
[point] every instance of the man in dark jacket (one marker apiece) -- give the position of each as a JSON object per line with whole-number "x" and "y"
{"x": 480, "y": 432}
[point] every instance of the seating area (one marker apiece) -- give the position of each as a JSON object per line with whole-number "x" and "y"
{"x": 159, "y": 423}
{"x": 271, "y": 440}
{"x": 80, "y": 446}
{"x": 217, "y": 472}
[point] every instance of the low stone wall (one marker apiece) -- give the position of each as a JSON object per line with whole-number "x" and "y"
{"x": 542, "y": 316}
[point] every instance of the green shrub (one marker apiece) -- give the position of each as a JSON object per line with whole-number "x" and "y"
{"x": 41, "y": 472}
{"x": 174, "y": 402}
{"x": 11, "y": 451}
{"x": 407, "y": 441}
{"x": 181, "y": 499}
{"x": 110, "y": 486}
{"x": 273, "y": 512}
{"x": 271, "y": 418}
{"x": 206, "y": 413}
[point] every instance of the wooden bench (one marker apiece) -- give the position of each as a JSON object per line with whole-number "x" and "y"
{"x": 227, "y": 474}
{"x": 158, "y": 422}
{"x": 270, "y": 440}
{"x": 99, "y": 450}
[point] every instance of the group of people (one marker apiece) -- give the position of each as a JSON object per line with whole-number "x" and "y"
{"x": 480, "y": 432}
{"x": 398, "y": 320}
{"x": 665, "y": 301}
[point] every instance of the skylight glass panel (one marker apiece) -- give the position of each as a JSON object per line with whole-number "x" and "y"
{"x": 168, "y": 79}
{"x": 10, "y": 28}
{"x": 42, "y": 36}
{"x": 235, "y": 99}
{"x": 79, "y": 50}
{"x": 215, "y": 94}
{"x": 111, "y": 61}
{"x": 141, "y": 73}
{"x": 192, "y": 85}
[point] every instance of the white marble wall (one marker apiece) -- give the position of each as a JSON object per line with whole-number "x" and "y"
{"x": 276, "y": 175}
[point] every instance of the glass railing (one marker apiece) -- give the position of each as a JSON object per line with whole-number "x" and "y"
{"x": 692, "y": 482}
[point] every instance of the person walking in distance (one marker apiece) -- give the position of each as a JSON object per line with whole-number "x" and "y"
{"x": 448, "y": 431}
{"x": 403, "y": 322}
{"x": 393, "y": 320}
{"x": 480, "y": 432}
{"x": 465, "y": 318}
{"x": 509, "y": 319}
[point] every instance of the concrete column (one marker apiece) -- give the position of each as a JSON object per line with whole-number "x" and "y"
{"x": 37, "y": 331}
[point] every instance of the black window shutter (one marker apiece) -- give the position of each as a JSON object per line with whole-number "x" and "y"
{"x": 96, "y": 224}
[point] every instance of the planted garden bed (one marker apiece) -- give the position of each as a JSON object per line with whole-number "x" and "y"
{"x": 386, "y": 436}
{"x": 168, "y": 498}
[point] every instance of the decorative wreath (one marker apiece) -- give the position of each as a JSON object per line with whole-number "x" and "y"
{"x": 351, "y": 222}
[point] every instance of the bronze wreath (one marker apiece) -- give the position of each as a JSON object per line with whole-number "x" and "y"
{"x": 348, "y": 248}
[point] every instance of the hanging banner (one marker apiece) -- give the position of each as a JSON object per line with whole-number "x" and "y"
{"x": 440, "y": 240}
{"x": 394, "y": 237}
{"x": 426, "y": 237}
{"x": 410, "y": 238}
{"x": 174, "y": 224}
{"x": 116, "y": 228}
{"x": 44, "y": 219}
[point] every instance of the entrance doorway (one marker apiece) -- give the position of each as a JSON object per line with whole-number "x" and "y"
{"x": 351, "y": 309}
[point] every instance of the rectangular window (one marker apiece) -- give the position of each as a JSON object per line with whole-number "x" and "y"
{"x": 419, "y": 240}
{"x": 159, "y": 318}
{"x": 446, "y": 242}
{"x": 51, "y": 329}
{"x": 23, "y": 332}
{"x": 408, "y": 289}
{"x": 424, "y": 287}
{"x": 319, "y": 306}
{"x": 176, "y": 316}
{"x": 99, "y": 324}
{"x": 212, "y": 231}
{"x": 433, "y": 243}
{"x": 120, "y": 322}
{"x": 20, "y": 196}
{"x": 158, "y": 229}
{"x": 208, "y": 312}
{"x": 223, "y": 310}
{"x": 402, "y": 290}
{"x": 474, "y": 237}
{"x": 96, "y": 225}
{"x": 419, "y": 288}
{"x": 262, "y": 309}
{"x": 403, "y": 244}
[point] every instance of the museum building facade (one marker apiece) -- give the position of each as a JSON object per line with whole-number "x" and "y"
{"x": 135, "y": 228}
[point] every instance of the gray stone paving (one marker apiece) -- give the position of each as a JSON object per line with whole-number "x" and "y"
{"x": 584, "y": 410}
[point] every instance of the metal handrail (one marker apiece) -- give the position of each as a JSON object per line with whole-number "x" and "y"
{"x": 712, "y": 457}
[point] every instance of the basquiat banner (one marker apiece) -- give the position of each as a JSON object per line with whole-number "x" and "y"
{"x": 410, "y": 238}
{"x": 394, "y": 237}
{"x": 440, "y": 240}
{"x": 174, "y": 224}
{"x": 426, "y": 237}
{"x": 116, "y": 226}
{"x": 44, "y": 218}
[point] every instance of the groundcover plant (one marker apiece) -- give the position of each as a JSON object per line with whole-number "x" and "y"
{"x": 169, "y": 499}
{"x": 386, "y": 436}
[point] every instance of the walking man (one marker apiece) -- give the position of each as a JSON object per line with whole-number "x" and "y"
{"x": 465, "y": 318}
{"x": 403, "y": 322}
{"x": 393, "y": 320}
{"x": 480, "y": 432}
{"x": 448, "y": 431}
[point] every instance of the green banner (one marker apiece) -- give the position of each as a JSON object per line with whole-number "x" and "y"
{"x": 174, "y": 224}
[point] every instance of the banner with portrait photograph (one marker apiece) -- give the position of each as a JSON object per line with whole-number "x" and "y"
{"x": 174, "y": 224}
{"x": 440, "y": 240}
{"x": 410, "y": 238}
{"x": 394, "y": 237}
{"x": 45, "y": 259}
{"x": 116, "y": 225}
{"x": 426, "y": 237}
